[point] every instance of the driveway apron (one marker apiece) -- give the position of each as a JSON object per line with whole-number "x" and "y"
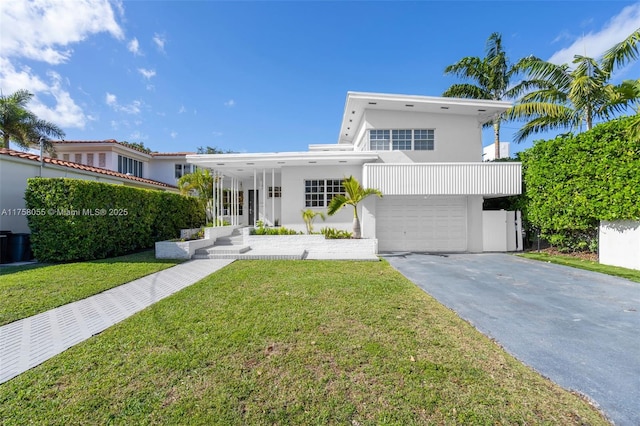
{"x": 581, "y": 329}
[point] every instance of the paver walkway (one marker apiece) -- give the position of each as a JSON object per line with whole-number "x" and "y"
{"x": 31, "y": 341}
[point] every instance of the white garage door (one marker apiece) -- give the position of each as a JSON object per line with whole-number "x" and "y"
{"x": 419, "y": 223}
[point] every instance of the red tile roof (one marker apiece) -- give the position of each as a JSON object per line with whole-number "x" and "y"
{"x": 71, "y": 165}
{"x": 106, "y": 141}
{"x": 171, "y": 154}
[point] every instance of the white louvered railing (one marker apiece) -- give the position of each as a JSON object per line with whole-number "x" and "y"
{"x": 490, "y": 179}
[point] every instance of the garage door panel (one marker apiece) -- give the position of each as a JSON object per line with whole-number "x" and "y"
{"x": 421, "y": 224}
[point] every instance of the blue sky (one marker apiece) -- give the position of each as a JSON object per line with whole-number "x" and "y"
{"x": 267, "y": 76}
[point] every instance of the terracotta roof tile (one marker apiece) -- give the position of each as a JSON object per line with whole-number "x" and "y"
{"x": 71, "y": 165}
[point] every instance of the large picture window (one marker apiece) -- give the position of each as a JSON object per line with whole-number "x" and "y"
{"x": 402, "y": 140}
{"x": 319, "y": 192}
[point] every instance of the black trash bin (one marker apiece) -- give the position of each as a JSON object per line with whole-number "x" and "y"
{"x": 4, "y": 246}
{"x": 19, "y": 247}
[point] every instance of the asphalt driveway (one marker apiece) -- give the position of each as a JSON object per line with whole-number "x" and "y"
{"x": 581, "y": 329}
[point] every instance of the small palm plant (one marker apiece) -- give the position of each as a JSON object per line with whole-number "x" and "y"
{"x": 309, "y": 216}
{"x": 355, "y": 193}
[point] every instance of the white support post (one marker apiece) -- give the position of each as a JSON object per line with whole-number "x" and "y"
{"x": 213, "y": 197}
{"x": 273, "y": 196}
{"x": 255, "y": 196}
{"x": 264, "y": 192}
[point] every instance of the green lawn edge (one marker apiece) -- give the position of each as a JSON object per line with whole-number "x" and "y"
{"x": 32, "y": 289}
{"x": 616, "y": 271}
{"x": 282, "y": 342}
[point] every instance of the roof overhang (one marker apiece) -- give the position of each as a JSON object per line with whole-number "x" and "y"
{"x": 243, "y": 165}
{"x": 358, "y": 102}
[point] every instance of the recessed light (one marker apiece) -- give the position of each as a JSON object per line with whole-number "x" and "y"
{"x": 353, "y": 112}
{"x": 409, "y": 105}
{"x": 312, "y": 162}
{"x": 373, "y": 103}
{"x": 250, "y": 164}
{"x": 241, "y": 170}
{"x": 219, "y": 164}
{"x": 350, "y": 121}
{"x": 280, "y": 162}
{"x": 342, "y": 161}
{"x": 348, "y": 128}
{"x": 481, "y": 110}
{"x": 444, "y": 107}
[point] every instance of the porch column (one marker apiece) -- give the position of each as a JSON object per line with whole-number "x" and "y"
{"x": 273, "y": 198}
{"x": 264, "y": 193}
{"x": 255, "y": 196}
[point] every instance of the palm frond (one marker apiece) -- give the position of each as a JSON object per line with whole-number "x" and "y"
{"x": 465, "y": 90}
{"x": 621, "y": 53}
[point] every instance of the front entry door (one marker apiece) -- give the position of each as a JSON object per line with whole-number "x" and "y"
{"x": 253, "y": 207}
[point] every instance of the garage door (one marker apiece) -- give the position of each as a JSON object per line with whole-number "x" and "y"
{"x": 419, "y": 223}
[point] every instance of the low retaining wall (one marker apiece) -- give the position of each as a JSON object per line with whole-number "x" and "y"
{"x": 619, "y": 243}
{"x": 311, "y": 243}
{"x": 186, "y": 249}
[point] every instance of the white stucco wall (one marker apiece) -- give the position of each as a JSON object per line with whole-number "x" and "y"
{"x": 293, "y": 196}
{"x": 502, "y": 231}
{"x": 458, "y": 138}
{"x": 619, "y": 243}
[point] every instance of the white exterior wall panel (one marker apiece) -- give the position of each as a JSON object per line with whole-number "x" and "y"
{"x": 487, "y": 179}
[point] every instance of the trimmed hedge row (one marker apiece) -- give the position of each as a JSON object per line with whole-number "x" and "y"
{"x": 574, "y": 181}
{"x": 74, "y": 219}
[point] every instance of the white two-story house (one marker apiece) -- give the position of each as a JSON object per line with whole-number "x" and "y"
{"x": 423, "y": 153}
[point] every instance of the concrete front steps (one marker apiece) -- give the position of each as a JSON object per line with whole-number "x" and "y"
{"x": 232, "y": 247}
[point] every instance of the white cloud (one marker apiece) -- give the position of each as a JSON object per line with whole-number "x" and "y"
{"x": 132, "y": 108}
{"x": 216, "y": 134}
{"x": 65, "y": 112}
{"x": 147, "y": 73}
{"x": 230, "y": 103}
{"x": 160, "y": 41}
{"x": 182, "y": 109}
{"x": 595, "y": 44}
{"x": 134, "y": 47}
{"x": 138, "y": 136}
{"x": 43, "y": 30}
{"x": 173, "y": 134}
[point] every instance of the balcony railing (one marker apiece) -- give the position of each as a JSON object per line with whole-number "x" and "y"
{"x": 488, "y": 179}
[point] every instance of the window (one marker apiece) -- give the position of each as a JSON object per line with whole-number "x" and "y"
{"x": 65, "y": 157}
{"x": 275, "y": 192}
{"x": 89, "y": 159}
{"x": 402, "y": 140}
{"x": 379, "y": 140}
{"x": 102, "y": 159}
{"x": 77, "y": 158}
{"x": 319, "y": 192}
{"x": 423, "y": 140}
{"x": 184, "y": 169}
{"x": 129, "y": 166}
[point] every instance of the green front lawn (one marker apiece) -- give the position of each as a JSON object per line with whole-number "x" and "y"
{"x": 282, "y": 342}
{"x": 630, "y": 274}
{"x": 32, "y": 289}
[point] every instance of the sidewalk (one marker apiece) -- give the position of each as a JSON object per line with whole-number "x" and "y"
{"x": 31, "y": 341}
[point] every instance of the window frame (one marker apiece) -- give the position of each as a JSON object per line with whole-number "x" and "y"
{"x": 402, "y": 139}
{"x": 318, "y": 193}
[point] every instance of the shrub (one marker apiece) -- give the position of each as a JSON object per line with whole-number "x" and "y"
{"x": 574, "y": 181}
{"x": 261, "y": 229}
{"x": 335, "y": 234}
{"x": 84, "y": 220}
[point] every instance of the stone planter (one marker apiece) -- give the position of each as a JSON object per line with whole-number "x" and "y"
{"x": 186, "y": 249}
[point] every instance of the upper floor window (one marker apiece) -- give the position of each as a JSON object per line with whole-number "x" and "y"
{"x": 129, "y": 166}
{"x": 89, "y": 159}
{"x": 319, "y": 192}
{"x": 401, "y": 140}
{"x": 379, "y": 140}
{"x": 184, "y": 169}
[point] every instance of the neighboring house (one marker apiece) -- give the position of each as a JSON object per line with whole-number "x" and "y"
{"x": 423, "y": 153}
{"x": 489, "y": 151}
{"x": 16, "y": 167}
{"x": 113, "y": 155}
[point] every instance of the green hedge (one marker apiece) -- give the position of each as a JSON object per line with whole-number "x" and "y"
{"x": 75, "y": 219}
{"x": 574, "y": 181}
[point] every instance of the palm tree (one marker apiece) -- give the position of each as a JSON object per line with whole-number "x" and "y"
{"x": 309, "y": 216}
{"x": 490, "y": 78}
{"x": 560, "y": 96}
{"x": 354, "y": 195}
{"x": 21, "y": 126}
{"x": 200, "y": 184}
